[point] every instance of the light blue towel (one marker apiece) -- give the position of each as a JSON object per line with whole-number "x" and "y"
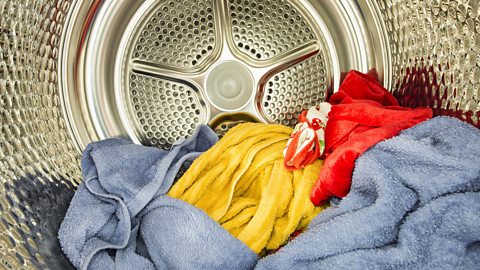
{"x": 120, "y": 218}
{"x": 414, "y": 204}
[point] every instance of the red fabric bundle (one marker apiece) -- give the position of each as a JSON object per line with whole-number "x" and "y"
{"x": 363, "y": 114}
{"x": 308, "y": 153}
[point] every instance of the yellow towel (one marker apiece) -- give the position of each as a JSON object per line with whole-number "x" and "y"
{"x": 241, "y": 183}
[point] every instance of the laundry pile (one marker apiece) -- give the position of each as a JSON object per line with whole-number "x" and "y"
{"x": 363, "y": 113}
{"x": 404, "y": 192}
{"x": 414, "y": 204}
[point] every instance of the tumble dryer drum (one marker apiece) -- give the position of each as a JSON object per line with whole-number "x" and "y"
{"x": 73, "y": 72}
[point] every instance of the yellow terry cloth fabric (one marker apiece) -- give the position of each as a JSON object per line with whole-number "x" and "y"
{"x": 241, "y": 183}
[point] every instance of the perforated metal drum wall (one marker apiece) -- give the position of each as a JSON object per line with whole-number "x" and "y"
{"x": 38, "y": 162}
{"x": 264, "y": 29}
{"x": 294, "y": 90}
{"x": 63, "y": 84}
{"x": 178, "y": 34}
{"x": 166, "y": 110}
{"x": 435, "y": 48}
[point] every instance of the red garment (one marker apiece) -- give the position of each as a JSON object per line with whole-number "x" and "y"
{"x": 363, "y": 114}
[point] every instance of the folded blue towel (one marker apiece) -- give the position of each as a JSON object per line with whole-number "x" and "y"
{"x": 120, "y": 217}
{"x": 414, "y": 204}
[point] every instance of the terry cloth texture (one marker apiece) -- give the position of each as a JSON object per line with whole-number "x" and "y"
{"x": 363, "y": 113}
{"x": 241, "y": 183}
{"x": 414, "y": 204}
{"x": 120, "y": 217}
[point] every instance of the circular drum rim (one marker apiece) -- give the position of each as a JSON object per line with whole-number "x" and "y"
{"x": 94, "y": 114}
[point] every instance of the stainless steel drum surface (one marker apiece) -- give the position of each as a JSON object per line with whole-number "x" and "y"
{"x": 72, "y": 72}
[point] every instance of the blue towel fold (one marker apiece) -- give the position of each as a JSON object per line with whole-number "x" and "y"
{"x": 414, "y": 204}
{"x": 120, "y": 217}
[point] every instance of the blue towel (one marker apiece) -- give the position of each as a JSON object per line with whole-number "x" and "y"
{"x": 120, "y": 217}
{"x": 414, "y": 204}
